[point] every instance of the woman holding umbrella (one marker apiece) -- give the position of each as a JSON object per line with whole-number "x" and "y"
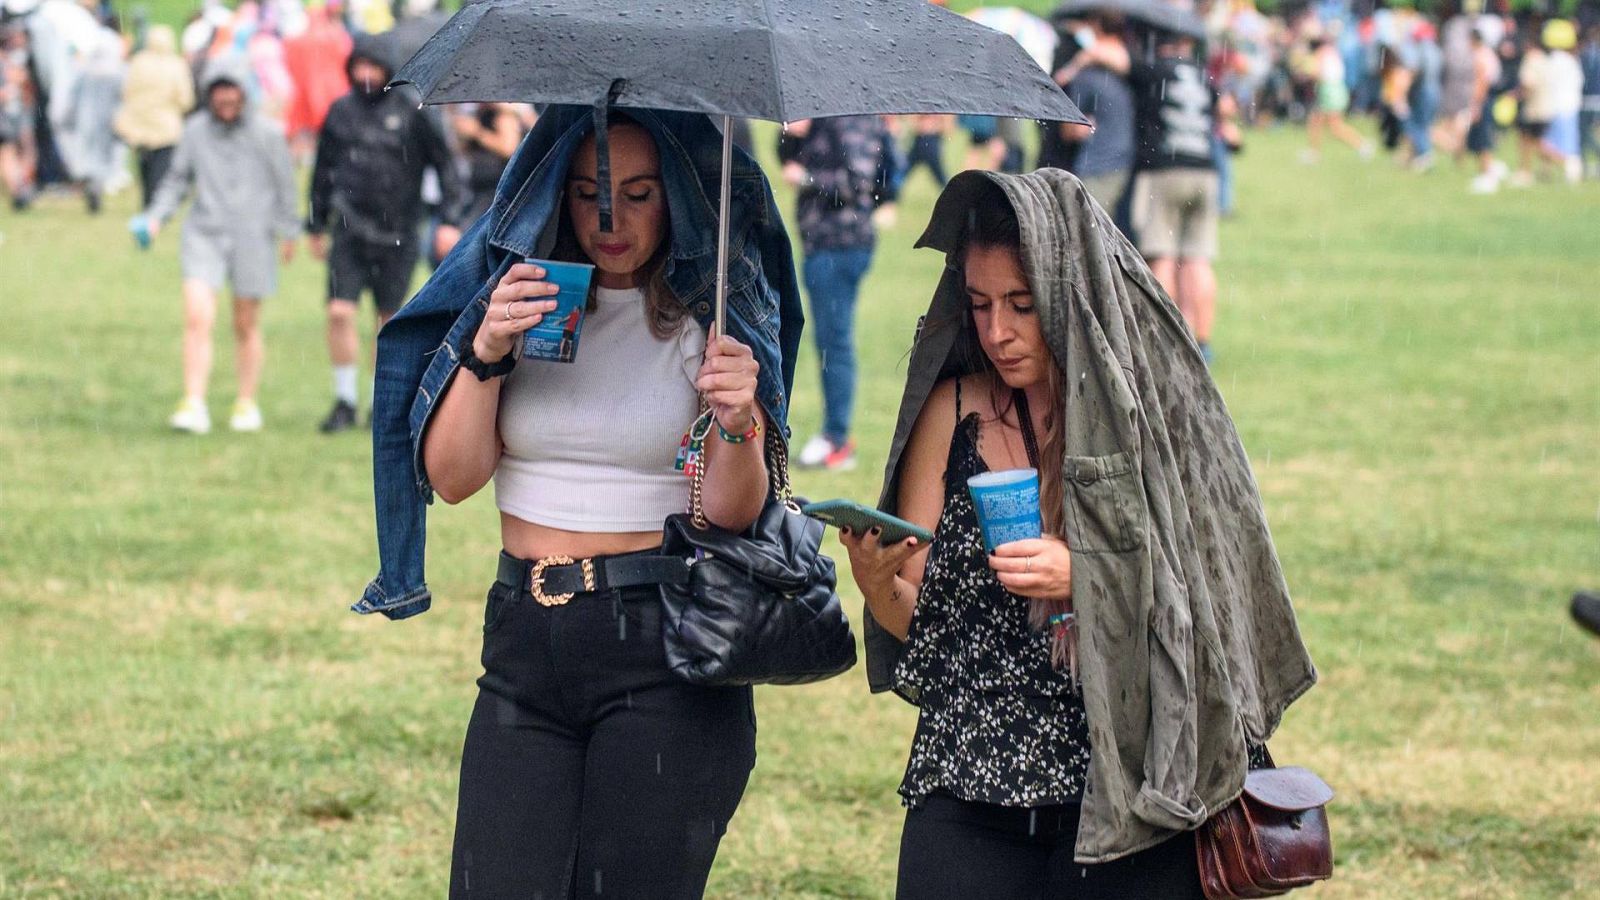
{"x": 588, "y": 768}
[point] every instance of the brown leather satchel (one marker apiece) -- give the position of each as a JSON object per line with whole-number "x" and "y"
{"x": 1273, "y": 839}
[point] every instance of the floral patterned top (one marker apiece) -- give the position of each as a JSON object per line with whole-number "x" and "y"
{"x": 998, "y": 723}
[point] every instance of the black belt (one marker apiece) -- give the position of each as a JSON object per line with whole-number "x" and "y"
{"x": 554, "y": 580}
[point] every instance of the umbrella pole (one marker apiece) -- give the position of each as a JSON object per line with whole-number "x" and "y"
{"x": 725, "y": 206}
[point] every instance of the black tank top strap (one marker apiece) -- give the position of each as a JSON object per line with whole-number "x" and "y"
{"x": 961, "y": 460}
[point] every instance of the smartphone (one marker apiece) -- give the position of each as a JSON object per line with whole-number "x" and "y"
{"x": 860, "y": 519}
{"x": 555, "y": 338}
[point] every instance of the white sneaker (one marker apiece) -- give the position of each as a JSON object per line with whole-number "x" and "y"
{"x": 1484, "y": 184}
{"x": 191, "y": 416}
{"x": 1368, "y": 151}
{"x": 1499, "y": 169}
{"x": 246, "y": 416}
{"x": 1520, "y": 180}
{"x": 815, "y": 452}
{"x": 1573, "y": 169}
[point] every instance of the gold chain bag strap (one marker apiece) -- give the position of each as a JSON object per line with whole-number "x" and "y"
{"x": 777, "y": 456}
{"x": 760, "y": 606}
{"x": 1271, "y": 840}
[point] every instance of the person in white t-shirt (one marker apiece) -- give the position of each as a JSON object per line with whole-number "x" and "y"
{"x": 586, "y": 761}
{"x": 1564, "y": 84}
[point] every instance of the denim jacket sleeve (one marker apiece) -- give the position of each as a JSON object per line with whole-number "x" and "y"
{"x": 416, "y": 361}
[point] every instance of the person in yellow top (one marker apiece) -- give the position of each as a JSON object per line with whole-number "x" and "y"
{"x": 156, "y": 94}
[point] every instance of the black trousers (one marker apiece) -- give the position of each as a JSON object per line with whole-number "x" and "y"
{"x": 927, "y": 150}
{"x": 588, "y": 769}
{"x": 153, "y": 165}
{"x": 953, "y": 848}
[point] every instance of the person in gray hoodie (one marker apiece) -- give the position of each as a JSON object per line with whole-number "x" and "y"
{"x": 1089, "y": 698}
{"x": 237, "y": 165}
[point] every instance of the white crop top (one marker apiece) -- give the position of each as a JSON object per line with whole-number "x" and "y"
{"x": 591, "y": 445}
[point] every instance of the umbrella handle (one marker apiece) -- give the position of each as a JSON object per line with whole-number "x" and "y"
{"x": 725, "y": 207}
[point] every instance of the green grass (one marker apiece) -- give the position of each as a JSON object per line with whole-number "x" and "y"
{"x": 187, "y": 710}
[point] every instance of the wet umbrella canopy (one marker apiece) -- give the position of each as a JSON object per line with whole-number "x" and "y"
{"x": 782, "y": 60}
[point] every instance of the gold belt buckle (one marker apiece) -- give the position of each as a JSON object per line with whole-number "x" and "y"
{"x": 536, "y": 581}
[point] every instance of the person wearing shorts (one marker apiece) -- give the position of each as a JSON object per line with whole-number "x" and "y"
{"x": 355, "y": 265}
{"x": 1333, "y": 98}
{"x": 1482, "y": 133}
{"x": 237, "y": 165}
{"x": 1175, "y": 215}
{"x": 1175, "y": 209}
{"x": 366, "y": 195}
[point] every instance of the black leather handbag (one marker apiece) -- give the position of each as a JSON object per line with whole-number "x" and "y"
{"x": 760, "y": 606}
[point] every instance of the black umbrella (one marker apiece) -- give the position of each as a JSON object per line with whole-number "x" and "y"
{"x": 782, "y": 60}
{"x": 1155, "y": 13}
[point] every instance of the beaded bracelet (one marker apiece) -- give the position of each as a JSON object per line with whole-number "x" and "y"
{"x": 730, "y": 438}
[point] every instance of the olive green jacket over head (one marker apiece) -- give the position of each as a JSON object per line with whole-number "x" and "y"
{"x": 1188, "y": 647}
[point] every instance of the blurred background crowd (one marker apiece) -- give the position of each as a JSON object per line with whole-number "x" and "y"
{"x": 95, "y": 97}
{"x": 85, "y": 84}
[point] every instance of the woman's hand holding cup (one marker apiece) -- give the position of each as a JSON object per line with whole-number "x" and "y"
{"x": 1039, "y": 568}
{"x": 518, "y": 303}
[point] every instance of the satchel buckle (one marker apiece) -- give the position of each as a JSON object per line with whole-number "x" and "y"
{"x": 536, "y": 580}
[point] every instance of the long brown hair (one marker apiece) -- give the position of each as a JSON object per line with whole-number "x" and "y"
{"x": 992, "y": 224}
{"x": 663, "y": 310}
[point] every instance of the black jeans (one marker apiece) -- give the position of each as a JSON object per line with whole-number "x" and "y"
{"x": 927, "y": 150}
{"x": 588, "y": 769}
{"x": 953, "y": 848}
{"x": 153, "y": 165}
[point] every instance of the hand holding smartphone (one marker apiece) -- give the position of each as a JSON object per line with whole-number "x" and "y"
{"x": 861, "y": 519}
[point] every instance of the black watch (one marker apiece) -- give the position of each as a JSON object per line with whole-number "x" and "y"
{"x": 484, "y": 371}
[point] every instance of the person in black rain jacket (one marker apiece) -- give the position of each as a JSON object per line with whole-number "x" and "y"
{"x": 366, "y": 191}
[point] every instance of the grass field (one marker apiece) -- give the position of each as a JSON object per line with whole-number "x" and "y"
{"x": 187, "y": 710}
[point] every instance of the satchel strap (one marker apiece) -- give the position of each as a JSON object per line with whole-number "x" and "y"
{"x": 777, "y": 454}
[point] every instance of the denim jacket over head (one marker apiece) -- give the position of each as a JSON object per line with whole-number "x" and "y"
{"x": 417, "y": 355}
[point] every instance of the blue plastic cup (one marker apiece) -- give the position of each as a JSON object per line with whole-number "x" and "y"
{"x": 1008, "y": 505}
{"x": 555, "y": 338}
